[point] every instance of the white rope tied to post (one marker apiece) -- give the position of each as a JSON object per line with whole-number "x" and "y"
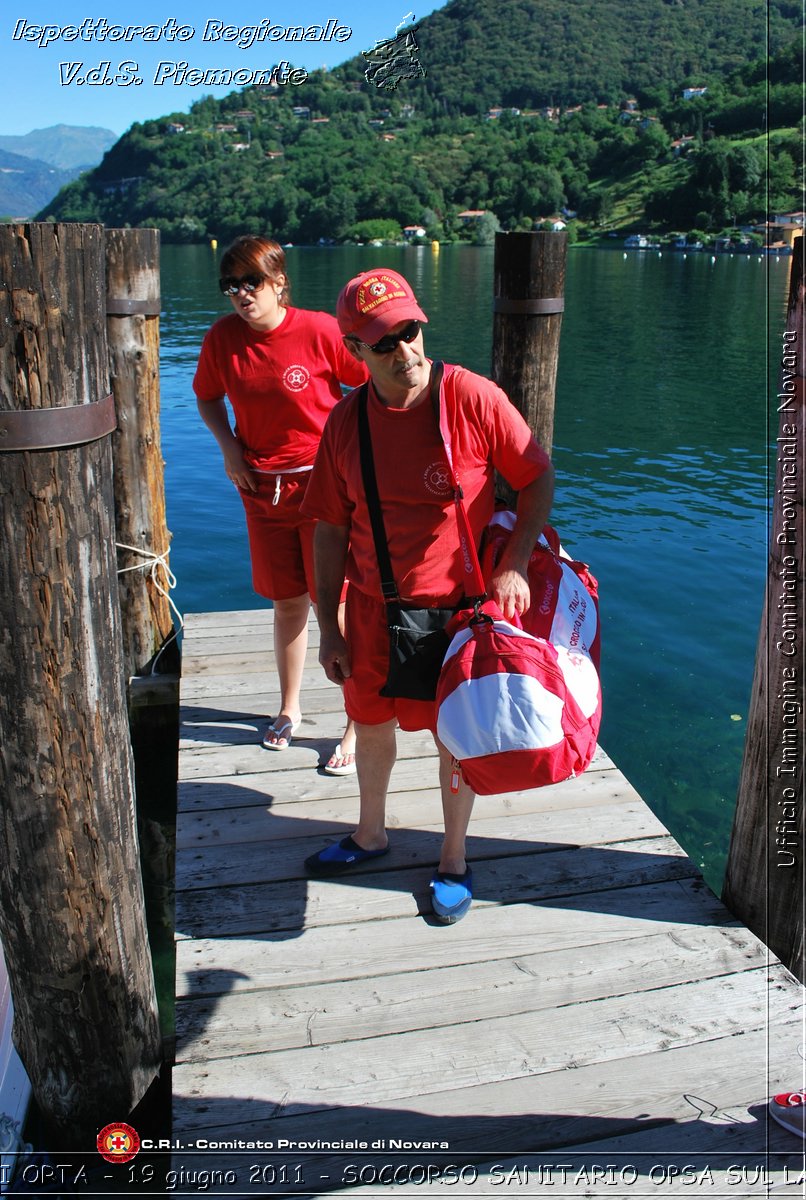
{"x": 152, "y": 563}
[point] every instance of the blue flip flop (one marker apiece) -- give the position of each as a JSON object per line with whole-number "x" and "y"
{"x": 339, "y": 857}
{"x": 451, "y": 895}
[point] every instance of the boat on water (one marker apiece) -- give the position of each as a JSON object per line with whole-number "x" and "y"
{"x": 638, "y": 241}
{"x": 682, "y": 243}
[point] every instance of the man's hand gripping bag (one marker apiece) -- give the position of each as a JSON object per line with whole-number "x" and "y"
{"x": 521, "y": 707}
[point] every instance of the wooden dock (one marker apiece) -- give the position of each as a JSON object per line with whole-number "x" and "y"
{"x": 598, "y": 1023}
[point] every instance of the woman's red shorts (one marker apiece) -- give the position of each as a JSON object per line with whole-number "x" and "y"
{"x": 280, "y": 537}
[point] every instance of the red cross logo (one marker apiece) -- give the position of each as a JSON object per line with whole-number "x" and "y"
{"x": 118, "y": 1143}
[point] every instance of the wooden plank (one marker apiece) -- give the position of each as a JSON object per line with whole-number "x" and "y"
{"x": 203, "y": 820}
{"x": 234, "y": 749}
{"x": 246, "y": 657}
{"x": 282, "y": 908}
{"x": 265, "y": 857}
{"x": 209, "y": 965}
{"x": 239, "y": 683}
{"x": 204, "y": 651}
{"x": 380, "y": 1070}
{"x": 305, "y": 752}
{"x": 293, "y": 1017}
{"x": 222, "y": 741}
{"x": 235, "y": 698}
{"x": 233, "y": 619}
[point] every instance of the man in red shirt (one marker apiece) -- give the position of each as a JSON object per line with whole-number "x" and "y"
{"x": 381, "y": 321}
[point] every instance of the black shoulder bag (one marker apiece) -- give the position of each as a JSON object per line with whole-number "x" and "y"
{"x": 417, "y": 637}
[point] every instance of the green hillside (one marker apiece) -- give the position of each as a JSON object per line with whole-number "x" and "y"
{"x": 589, "y": 115}
{"x": 527, "y": 53}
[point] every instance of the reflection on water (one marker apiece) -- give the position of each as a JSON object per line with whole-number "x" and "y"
{"x": 661, "y": 449}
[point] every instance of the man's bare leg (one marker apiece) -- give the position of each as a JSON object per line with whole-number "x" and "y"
{"x": 375, "y": 754}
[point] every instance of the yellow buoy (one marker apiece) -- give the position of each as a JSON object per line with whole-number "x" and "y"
{"x": 435, "y": 247}
{"x": 213, "y": 243}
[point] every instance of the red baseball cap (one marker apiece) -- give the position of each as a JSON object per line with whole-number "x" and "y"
{"x": 372, "y": 303}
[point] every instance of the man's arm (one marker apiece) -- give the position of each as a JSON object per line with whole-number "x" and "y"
{"x": 509, "y": 584}
{"x": 330, "y": 544}
{"x": 216, "y": 418}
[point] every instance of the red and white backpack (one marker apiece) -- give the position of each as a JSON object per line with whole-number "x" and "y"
{"x": 519, "y": 705}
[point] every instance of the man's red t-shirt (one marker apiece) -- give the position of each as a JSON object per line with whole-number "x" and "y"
{"x": 488, "y": 434}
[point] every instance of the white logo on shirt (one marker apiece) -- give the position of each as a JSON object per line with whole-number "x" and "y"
{"x": 296, "y": 378}
{"x": 437, "y": 479}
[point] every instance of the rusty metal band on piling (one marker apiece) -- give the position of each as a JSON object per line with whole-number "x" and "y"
{"x": 123, "y": 306}
{"x": 56, "y": 428}
{"x": 553, "y": 304}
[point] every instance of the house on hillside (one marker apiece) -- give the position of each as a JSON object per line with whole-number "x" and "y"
{"x": 412, "y": 232}
{"x": 471, "y": 215}
{"x": 782, "y": 230}
{"x": 692, "y": 93}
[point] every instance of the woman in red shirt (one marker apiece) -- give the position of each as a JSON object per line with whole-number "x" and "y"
{"x": 281, "y": 369}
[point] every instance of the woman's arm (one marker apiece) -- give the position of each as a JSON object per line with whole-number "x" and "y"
{"x": 216, "y": 417}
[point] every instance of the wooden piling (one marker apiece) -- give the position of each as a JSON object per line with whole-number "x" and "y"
{"x": 529, "y": 291}
{"x": 150, "y": 646}
{"x": 133, "y": 308}
{"x": 71, "y": 902}
{"x": 764, "y": 883}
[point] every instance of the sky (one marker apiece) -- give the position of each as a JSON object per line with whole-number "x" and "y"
{"x": 51, "y": 61}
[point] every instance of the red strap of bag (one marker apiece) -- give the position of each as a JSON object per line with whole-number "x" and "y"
{"x": 467, "y": 543}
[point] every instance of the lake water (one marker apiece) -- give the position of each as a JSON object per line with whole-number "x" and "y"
{"x": 661, "y": 445}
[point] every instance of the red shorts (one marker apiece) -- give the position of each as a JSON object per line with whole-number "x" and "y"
{"x": 367, "y": 637}
{"x": 280, "y": 538}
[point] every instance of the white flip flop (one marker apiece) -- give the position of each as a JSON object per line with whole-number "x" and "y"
{"x": 286, "y": 729}
{"x": 347, "y": 768}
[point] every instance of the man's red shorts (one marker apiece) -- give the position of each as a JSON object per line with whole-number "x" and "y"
{"x": 280, "y": 537}
{"x": 367, "y": 637}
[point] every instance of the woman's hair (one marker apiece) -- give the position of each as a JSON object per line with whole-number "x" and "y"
{"x": 254, "y": 255}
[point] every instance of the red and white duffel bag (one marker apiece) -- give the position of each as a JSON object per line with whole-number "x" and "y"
{"x": 521, "y": 707}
